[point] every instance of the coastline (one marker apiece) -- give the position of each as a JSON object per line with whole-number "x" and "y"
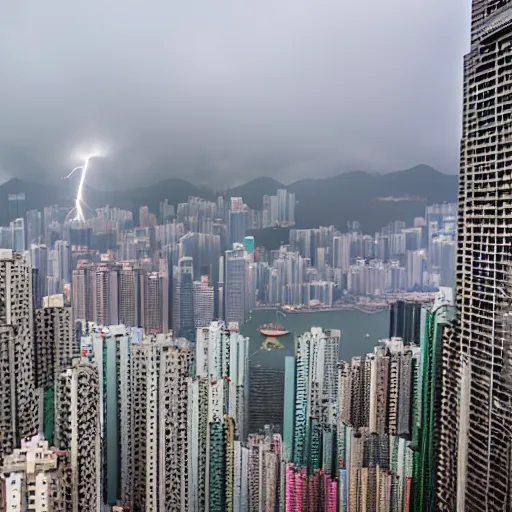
{"x": 362, "y": 308}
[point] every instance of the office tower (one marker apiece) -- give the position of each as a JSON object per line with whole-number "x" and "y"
{"x": 16, "y": 206}
{"x": 34, "y": 477}
{"x": 106, "y": 295}
{"x": 77, "y": 431}
{"x": 183, "y": 299}
{"x": 18, "y": 407}
{"x": 310, "y": 477}
{"x": 476, "y": 416}
{"x": 34, "y": 227}
{"x": 39, "y": 261}
{"x": 155, "y": 302}
{"x": 234, "y": 285}
{"x": 266, "y": 398}
{"x": 82, "y": 291}
{"x": 203, "y": 301}
{"x": 111, "y": 352}
{"x": 405, "y": 320}
{"x": 160, "y": 373}
{"x": 129, "y": 296}
{"x": 18, "y": 235}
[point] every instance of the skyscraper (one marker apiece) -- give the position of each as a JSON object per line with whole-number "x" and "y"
{"x": 16, "y": 206}
{"x": 77, "y": 431}
{"x": 155, "y": 302}
{"x": 106, "y": 295}
{"x": 111, "y": 346}
{"x": 203, "y": 303}
{"x": 234, "y": 285}
{"x": 160, "y": 367}
{"x": 237, "y": 220}
{"x": 129, "y": 296}
{"x": 82, "y": 291}
{"x": 310, "y": 475}
{"x": 183, "y": 299}
{"x": 18, "y": 234}
{"x": 218, "y": 419}
{"x": 39, "y": 261}
{"x": 18, "y": 406}
{"x": 34, "y": 227}
{"x": 476, "y": 414}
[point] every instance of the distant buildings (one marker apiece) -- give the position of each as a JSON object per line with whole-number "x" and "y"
{"x": 234, "y": 285}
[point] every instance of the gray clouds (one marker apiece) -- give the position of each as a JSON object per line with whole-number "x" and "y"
{"x": 230, "y": 89}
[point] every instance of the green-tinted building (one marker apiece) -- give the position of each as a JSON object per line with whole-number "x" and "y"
{"x": 425, "y": 434}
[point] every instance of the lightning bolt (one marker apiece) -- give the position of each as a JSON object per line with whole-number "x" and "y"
{"x": 79, "y": 213}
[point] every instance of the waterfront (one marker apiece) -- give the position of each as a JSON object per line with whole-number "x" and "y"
{"x": 354, "y": 326}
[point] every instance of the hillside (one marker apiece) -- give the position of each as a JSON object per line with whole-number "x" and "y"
{"x": 374, "y": 200}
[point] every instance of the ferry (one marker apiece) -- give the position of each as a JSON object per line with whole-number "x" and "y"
{"x": 273, "y": 330}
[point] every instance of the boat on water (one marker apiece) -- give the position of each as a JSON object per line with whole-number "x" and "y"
{"x": 273, "y": 330}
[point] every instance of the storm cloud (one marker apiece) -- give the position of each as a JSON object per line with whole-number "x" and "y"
{"x": 223, "y": 91}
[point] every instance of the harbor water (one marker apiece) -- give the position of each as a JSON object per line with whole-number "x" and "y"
{"x": 360, "y": 332}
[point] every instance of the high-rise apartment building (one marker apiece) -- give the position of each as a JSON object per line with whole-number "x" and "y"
{"x": 77, "y": 431}
{"x": 155, "y": 302}
{"x": 217, "y": 419}
{"x": 129, "y": 296}
{"x": 18, "y": 405}
{"x": 106, "y": 295}
{"x": 310, "y": 442}
{"x": 34, "y": 478}
{"x": 82, "y": 291}
{"x": 476, "y": 415}
{"x": 54, "y": 334}
{"x": 111, "y": 352}
{"x": 264, "y": 472}
{"x": 160, "y": 372}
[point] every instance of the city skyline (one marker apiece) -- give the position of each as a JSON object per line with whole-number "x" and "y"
{"x": 337, "y": 345}
{"x": 216, "y": 101}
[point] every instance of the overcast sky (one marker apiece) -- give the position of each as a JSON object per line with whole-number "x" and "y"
{"x": 226, "y": 90}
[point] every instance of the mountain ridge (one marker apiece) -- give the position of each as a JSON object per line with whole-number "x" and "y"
{"x": 321, "y": 201}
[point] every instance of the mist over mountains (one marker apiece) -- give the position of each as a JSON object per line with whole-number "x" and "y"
{"x": 374, "y": 200}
